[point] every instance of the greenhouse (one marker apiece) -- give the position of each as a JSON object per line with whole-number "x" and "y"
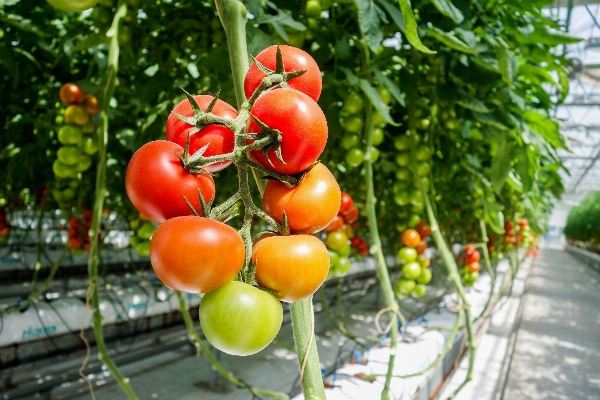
{"x": 310, "y": 199}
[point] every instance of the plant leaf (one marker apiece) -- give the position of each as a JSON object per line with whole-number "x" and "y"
{"x": 452, "y": 41}
{"x": 370, "y": 23}
{"x": 448, "y": 9}
{"x": 412, "y": 35}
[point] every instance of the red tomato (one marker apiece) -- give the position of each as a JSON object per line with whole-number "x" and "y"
{"x": 523, "y": 223}
{"x": 310, "y": 206}
{"x": 469, "y": 249}
{"x": 411, "y": 238}
{"x": 336, "y": 224}
{"x": 306, "y": 262}
{"x": 70, "y": 93}
{"x": 294, "y": 59}
{"x": 351, "y": 215}
{"x": 156, "y": 182}
{"x": 195, "y": 254}
{"x": 302, "y": 125}
{"x": 474, "y": 266}
{"x": 421, "y": 246}
{"x": 90, "y": 102}
{"x": 508, "y": 225}
{"x": 220, "y": 139}
{"x": 424, "y": 232}
{"x": 474, "y": 256}
{"x": 421, "y": 225}
{"x": 347, "y": 203}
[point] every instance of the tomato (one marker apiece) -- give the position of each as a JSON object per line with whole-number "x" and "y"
{"x": 89, "y": 127}
{"x": 76, "y": 115}
{"x": 295, "y": 273}
{"x": 353, "y": 124}
{"x": 478, "y": 192}
{"x": 403, "y": 159}
{"x": 475, "y": 256}
{"x": 346, "y": 203}
{"x": 334, "y": 258}
{"x": 419, "y": 290}
{"x": 411, "y": 270}
{"x": 336, "y": 241}
{"x": 294, "y": 59}
{"x": 73, "y": 5}
{"x": 310, "y": 206}
{"x": 335, "y": 225}
{"x": 70, "y": 93}
{"x": 378, "y": 119}
{"x": 424, "y": 232}
{"x": 423, "y": 260}
{"x": 474, "y": 266}
{"x": 196, "y": 254}
{"x": 402, "y": 143}
{"x": 354, "y": 103}
{"x": 508, "y": 225}
{"x": 469, "y": 249}
{"x": 347, "y": 229}
{"x": 414, "y": 220}
{"x": 422, "y": 153}
{"x": 425, "y": 276}
{"x": 146, "y": 230}
{"x": 377, "y": 136}
{"x": 70, "y": 134}
{"x": 385, "y": 94}
{"x": 345, "y": 252}
{"x": 62, "y": 170}
{"x": 403, "y": 174}
{"x": 523, "y": 223}
{"x": 411, "y": 238}
{"x": 69, "y": 155}
{"x": 302, "y": 125}
{"x": 407, "y": 255}
{"x": 313, "y": 9}
{"x": 90, "y": 102}
{"x": 220, "y": 139}
{"x": 344, "y": 265}
{"x": 143, "y": 248}
{"x": 423, "y": 169}
{"x": 89, "y": 145}
{"x": 351, "y": 215}
{"x": 157, "y": 183}
{"x": 239, "y": 319}
{"x": 355, "y": 157}
{"x": 420, "y": 248}
{"x": 400, "y": 187}
{"x": 350, "y": 140}
{"x": 404, "y": 287}
{"x": 402, "y": 199}
{"x": 85, "y": 162}
{"x": 374, "y": 154}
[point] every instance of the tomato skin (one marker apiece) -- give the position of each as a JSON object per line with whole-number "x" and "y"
{"x": 76, "y": 115}
{"x": 156, "y": 182}
{"x": 411, "y": 238}
{"x": 411, "y": 270}
{"x": 407, "y": 255}
{"x": 196, "y": 254}
{"x": 351, "y": 215}
{"x": 474, "y": 256}
{"x": 474, "y": 266}
{"x": 294, "y": 59}
{"x": 70, "y": 93}
{"x": 319, "y": 187}
{"x": 421, "y": 246}
{"x": 336, "y": 240}
{"x": 347, "y": 203}
{"x": 302, "y": 125}
{"x": 425, "y": 276}
{"x": 73, "y": 5}
{"x": 469, "y": 249}
{"x": 239, "y": 319}
{"x": 70, "y": 134}
{"x": 335, "y": 225}
{"x": 295, "y": 273}
{"x": 404, "y": 287}
{"x": 91, "y": 104}
{"x": 220, "y": 139}
{"x": 424, "y": 232}
{"x": 423, "y": 260}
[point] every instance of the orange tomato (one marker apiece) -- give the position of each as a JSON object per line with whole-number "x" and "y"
{"x": 411, "y": 238}
{"x": 421, "y": 246}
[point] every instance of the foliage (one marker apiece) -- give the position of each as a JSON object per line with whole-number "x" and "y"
{"x": 583, "y": 222}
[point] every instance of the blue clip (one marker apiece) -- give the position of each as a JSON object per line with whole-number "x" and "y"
{"x": 358, "y": 355}
{"x": 323, "y": 372}
{"x": 334, "y": 377}
{"x": 383, "y": 338}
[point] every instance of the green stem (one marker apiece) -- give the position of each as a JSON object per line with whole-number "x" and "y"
{"x": 93, "y": 296}
{"x": 216, "y": 365}
{"x": 488, "y": 265}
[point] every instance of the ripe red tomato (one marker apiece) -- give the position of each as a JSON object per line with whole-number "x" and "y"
{"x": 351, "y": 215}
{"x": 302, "y": 125}
{"x": 294, "y": 59}
{"x": 411, "y": 238}
{"x": 336, "y": 224}
{"x": 424, "y": 232}
{"x": 523, "y": 223}
{"x": 220, "y": 139}
{"x": 156, "y": 182}
{"x": 421, "y": 246}
{"x": 70, "y": 93}
{"x": 474, "y": 266}
{"x": 474, "y": 256}
{"x": 347, "y": 203}
{"x": 469, "y": 249}
{"x": 306, "y": 262}
{"x": 508, "y": 225}
{"x": 90, "y": 102}
{"x": 310, "y": 206}
{"x": 195, "y": 254}
{"x": 420, "y": 224}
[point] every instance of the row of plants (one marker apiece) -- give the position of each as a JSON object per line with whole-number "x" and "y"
{"x": 582, "y": 228}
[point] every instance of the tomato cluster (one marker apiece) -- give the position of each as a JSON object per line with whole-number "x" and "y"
{"x": 142, "y": 230}
{"x": 415, "y": 270}
{"x": 469, "y": 272}
{"x": 5, "y": 227}
{"x": 79, "y": 233}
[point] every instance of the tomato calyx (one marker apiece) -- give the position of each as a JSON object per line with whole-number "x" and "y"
{"x": 274, "y": 78}
{"x": 202, "y": 119}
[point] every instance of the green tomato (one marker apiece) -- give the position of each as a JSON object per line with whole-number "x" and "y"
{"x": 73, "y": 5}
{"x": 336, "y": 240}
{"x": 404, "y": 287}
{"x": 419, "y": 290}
{"x": 414, "y": 220}
{"x": 89, "y": 126}
{"x": 345, "y": 252}
{"x": 402, "y": 198}
{"x": 403, "y": 174}
{"x": 143, "y": 248}
{"x": 474, "y": 275}
{"x": 423, "y": 123}
{"x": 378, "y": 119}
{"x": 146, "y": 230}
{"x": 403, "y": 159}
{"x": 85, "y": 162}
{"x": 426, "y": 182}
{"x": 411, "y": 270}
{"x": 401, "y": 227}
{"x": 417, "y": 208}
{"x": 353, "y": 124}
{"x": 385, "y": 94}
{"x": 407, "y": 255}
{"x": 334, "y": 258}
{"x": 423, "y": 169}
{"x": 377, "y": 136}
{"x": 69, "y": 155}
{"x": 350, "y": 140}
{"x": 478, "y": 193}
{"x": 343, "y": 265}
{"x": 89, "y": 145}
{"x": 400, "y": 187}
{"x": 478, "y": 213}
{"x": 133, "y": 240}
{"x": 68, "y": 194}
{"x": 374, "y": 153}
{"x": 451, "y": 124}
{"x": 422, "y": 153}
{"x": 416, "y": 197}
{"x": 354, "y": 103}
{"x": 70, "y": 134}
{"x": 355, "y": 157}
{"x": 402, "y": 143}
{"x": 62, "y": 170}
{"x": 239, "y": 319}
{"x": 313, "y": 9}
{"x": 425, "y": 276}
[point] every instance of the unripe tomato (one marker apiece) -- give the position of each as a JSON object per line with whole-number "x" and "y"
{"x": 343, "y": 265}
{"x": 335, "y": 225}
{"x": 423, "y": 123}
{"x": 403, "y": 159}
{"x": 319, "y": 187}
{"x": 350, "y": 140}
{"x": 295, "y": 273}
{"x": 404, "y": 287}
{"x": 90, "y": 102}
{"x": 354, "y": 103}
{"x": 385, "y": 94}
{"x": 407, "y": 255}
{"x": 146, "y": 230}
{"x": 294, "y": 59}
{"x": 345, "y": 252}
{"x": 195, "y": 254}
{"x": 347, "y": 229}
{"x": 89, "y": 127}
{"x": 402, "y": 143}
{"x": 70, "y": 93}
{"x": 302, "y": 125}
{"x": 422, "y": 153}
{"x": 425, "y": 276}
{"x": 373, "y": 154}
{"x": 336, "y": 241}
{"x": 89, "y": 145}
{"x": 69, "y": 155}
{"x": 423, "y": 260}
{"x": 411, "y": 270}
{"x": 143, "y": 248}
{"x": 220, "y": 139}
{"x": 334, "y": 258}
{"x": 62, "y": 170}
{"x": 76, "y": 115}
{"x": 355, "y": 157}
{"x": 414, "y": 219}
{"x": 421, "y": 247}
{"x": 411, "y": 238}
{"x": 419, "y": 290}
{"x": 353, "y": 124}
{"x": 239, "y": 319}
{"x": 474, "y": 266}
{"x": 351, "y": 215}
{"x": 313, "y": 9}
{"x": 157, "y": 184}
{"x": 423, "y": 169}
{"x": 378, "y": 119}
{"x": 402, "y": 198}
{"x": 347, "y": 203}
{"x": 70, "y": 134}
{"x": 403, "y": 174}
{"x": 85, "y": 162}
{"x": 73, "y": 5}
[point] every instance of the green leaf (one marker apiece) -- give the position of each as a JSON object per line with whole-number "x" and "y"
{"x": 375, "y": 99}
{"x": 526, "y": 171}
{"x": 411, "y": 28}
{"x": 27, "y": 55}
{"x": 504, "y": 61}
{"x": 490, "y": 119}
{"x": 452, "y": 41}
{"x": 448, "y": 9}
{"x": 493, "y": 216}
{"x": 501, "y": 165}
{"x": 547, "y": 128}
{"x": 472, "y": 103}
{"x": 370, "y": 23}
{"x": 552, "y": 37}
{"x": 391, "y": 85}
{"x": 395, "y": 13}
